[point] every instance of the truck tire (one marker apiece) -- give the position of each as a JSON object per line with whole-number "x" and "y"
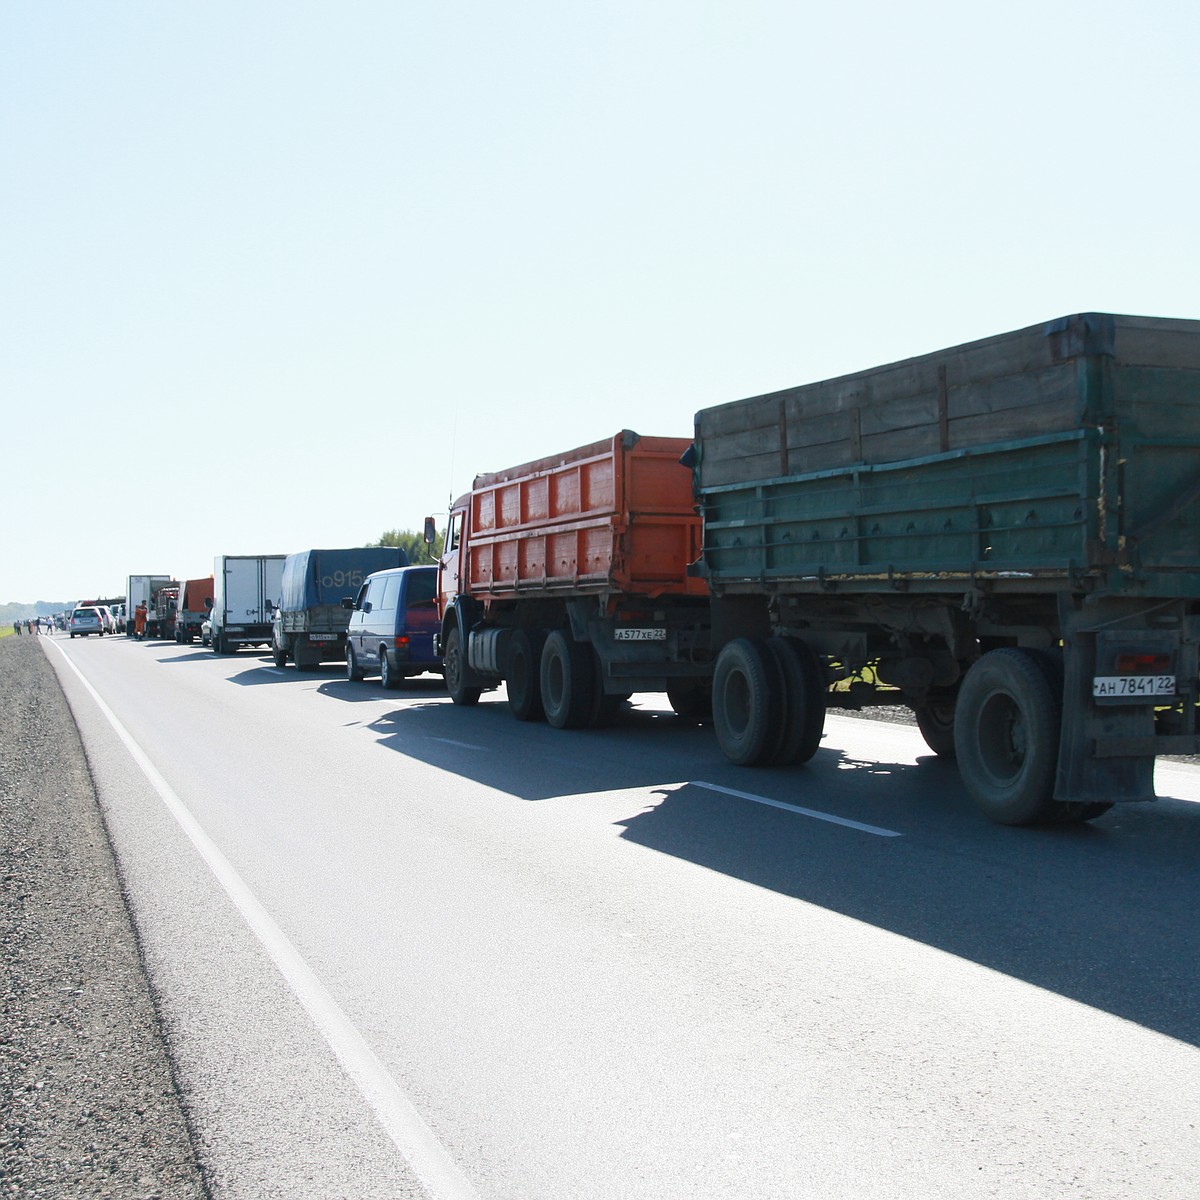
{"x": 568, "y": 679}
{"x": 389, "y": 678}
{"x": 803, "y": 718}
{"x": 454, "y": 663}
{"x": 354, "y": 672}
{"x": 747, "y": 701}
{"x": 935, "y": 720}
{"x": 523, "y": 675}
{"x": 279, "y": 654}
{"x": 1007, "y": 724}
{"x": 691, "y": 699}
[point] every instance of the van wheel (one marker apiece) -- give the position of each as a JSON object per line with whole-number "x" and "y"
{"x": 747, "y": 701}
{"x": 522, "y": 675}
{"x": 388, "y": 677}
{"x": 455, "y": 666}
{"x": 568, "y": 679}
{"x": 354, "y": 672}
{"x": 1007, "y": 725}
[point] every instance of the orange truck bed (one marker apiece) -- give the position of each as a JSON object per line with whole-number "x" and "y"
{"x": 617, "y": 516}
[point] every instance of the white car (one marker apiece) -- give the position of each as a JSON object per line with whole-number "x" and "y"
{"x": 106, "y": 616}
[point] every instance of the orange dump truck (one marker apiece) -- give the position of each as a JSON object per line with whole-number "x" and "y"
{"x": 195, "y": 603}
{"x": 567, "y": 580}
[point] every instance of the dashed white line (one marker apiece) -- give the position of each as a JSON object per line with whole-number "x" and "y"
{"x": 877, "y": 830}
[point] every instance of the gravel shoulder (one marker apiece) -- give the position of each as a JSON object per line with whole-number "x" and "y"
{"x": 89, "y": 1103}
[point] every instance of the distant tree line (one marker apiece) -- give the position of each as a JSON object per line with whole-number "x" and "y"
{"x": 26, "y": 612}
{"x": 413, "y": 544}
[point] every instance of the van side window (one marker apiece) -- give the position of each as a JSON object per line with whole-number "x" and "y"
{"x": 390, "y": 594}
{"x": 421, "y": 586}
{"x": 374, "y": 592}
{"x": 362, "y": 595}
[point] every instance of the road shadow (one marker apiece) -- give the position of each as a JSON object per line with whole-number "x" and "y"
{"x": 1102, "y": 913}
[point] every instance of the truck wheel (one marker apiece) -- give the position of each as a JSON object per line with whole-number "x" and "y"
{"x": 803, "y": 717}
{"x": 455, "y": 665}
{"x": 389, "y": 677}
{"x": 568, "y": 680}
{"x": 691, "y": 699}
{"x": 522, "y": 675}
{"x": 747, "y": 701}
{"x": 354, "y": 672}
{"x": 935, "y": 720}
{"x": 1007, "y": 725}
{"x": 279, "y": 655}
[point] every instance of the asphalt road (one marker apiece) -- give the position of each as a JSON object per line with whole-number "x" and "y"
{"x": 402, "y": 948}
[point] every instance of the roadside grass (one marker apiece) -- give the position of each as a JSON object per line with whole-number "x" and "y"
{"x": 7, "y": 631}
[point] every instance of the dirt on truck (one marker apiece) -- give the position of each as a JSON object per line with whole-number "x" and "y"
{"x": 1004, "y": 535}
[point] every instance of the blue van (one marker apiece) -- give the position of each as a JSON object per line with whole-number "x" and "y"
{"x": 392, "y": 626}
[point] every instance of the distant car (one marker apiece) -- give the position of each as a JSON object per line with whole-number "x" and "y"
{"x": 87, "y": 620}
{"x": 107, "y": 618}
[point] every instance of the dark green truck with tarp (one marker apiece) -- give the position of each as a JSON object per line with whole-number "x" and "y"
{"x": 1004, "y": 535}
{"x": 310, "y": 621}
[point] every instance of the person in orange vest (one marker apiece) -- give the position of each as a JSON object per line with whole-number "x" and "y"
{"x": 139, "y": 621}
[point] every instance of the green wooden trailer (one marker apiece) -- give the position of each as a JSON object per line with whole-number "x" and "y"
{"x": 1004, "y": 535}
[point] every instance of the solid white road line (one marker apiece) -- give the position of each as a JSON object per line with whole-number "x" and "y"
{"x": 804, "y": 812}
{"x": 414, "y": 1139}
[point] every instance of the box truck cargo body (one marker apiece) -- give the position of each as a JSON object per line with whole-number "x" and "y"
{"x": 143, "y": 590}
{"x": 317, "y": 585}
{"x": 246, "y": 589}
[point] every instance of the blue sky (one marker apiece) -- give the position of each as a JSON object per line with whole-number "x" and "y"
{"x": 281, "y": 275}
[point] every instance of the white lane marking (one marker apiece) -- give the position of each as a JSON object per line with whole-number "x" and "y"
{"x": 804, "y": 812}
{"x": 427, "y": 1157}
{"x": 452, "y": 742}
{"x": 276, "y": 671}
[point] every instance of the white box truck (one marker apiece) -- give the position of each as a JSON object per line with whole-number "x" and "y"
{"x": 142, "y": 589}
{"x": 246, "y": 589}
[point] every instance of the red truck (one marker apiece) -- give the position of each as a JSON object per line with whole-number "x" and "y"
{"x": 567, "y": 580}
{"x": 194, "y": 605}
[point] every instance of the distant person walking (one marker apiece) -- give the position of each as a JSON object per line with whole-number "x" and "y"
{"x": 139, "y": 621}
{"x": 17, "y": 627}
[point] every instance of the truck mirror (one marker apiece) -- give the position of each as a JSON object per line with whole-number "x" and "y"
{"x": 430, "y": 531}
{"x": 347, "y": 601}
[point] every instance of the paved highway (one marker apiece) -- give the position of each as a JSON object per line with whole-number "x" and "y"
{"x": 407, "y": 949}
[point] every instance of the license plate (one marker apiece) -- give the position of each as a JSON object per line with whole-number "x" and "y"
{"x": 322, "y": 637}
{"x": 1135, "y": 687}
{"x": 640, "y": 635}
